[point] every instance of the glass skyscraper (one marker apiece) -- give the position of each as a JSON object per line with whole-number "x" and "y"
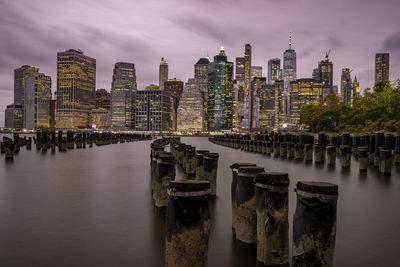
{"x": 123, "y": 90}
{"x": 220, "y": 107}
{"x": 346, "y": 87}
{"x": 325, "y": 72}
{"x": 246, "y": 122}
{"x": 381, "y": 67}
{"x": 274, "y": 70}
{"x": 289, "y": 65}
{"x": 190, "y": 110}
{"x": 20, "y": 76}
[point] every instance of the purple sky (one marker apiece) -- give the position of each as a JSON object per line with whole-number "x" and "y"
{"x": 184, "y": 30}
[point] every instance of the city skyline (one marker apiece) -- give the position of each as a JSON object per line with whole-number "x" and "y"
{"x": 187, "y": 36}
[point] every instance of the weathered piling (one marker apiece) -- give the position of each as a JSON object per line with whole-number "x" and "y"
{"x": 314, "y": 224}
{"x": 190, "y": 161}
{"x": 299, "y": 147}
{"x": 187, "y": 224}
{"x": 44, "y": 141}
{"x": 17, "y": 142}
{"x": 210, "y": 166}
{"x": 363, "y": 158}
{"x": 235, "y": 167}
{"x": 38, "y": 140}
{"x": 397, "y": 150}
{"x": 371, "y": 149}
{"x": 385, "y": 161}
{"x": 164, "y": 174}
{"x": 3, "y": 147}
{"x": 246, "y": 217}
{"x": 9, "y": 148}
{"x": 199, "y": 164}
{"x": 331, "y": 155}
{"x": 271, "y": 193}
{"x": 308, "y": 152}
{"x": 319, "y": 153}
{"x": 379, "y": 145}
{"x": 345, "y": 156}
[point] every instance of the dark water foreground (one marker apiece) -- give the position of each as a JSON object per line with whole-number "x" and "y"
{"x": 93, "y": 207}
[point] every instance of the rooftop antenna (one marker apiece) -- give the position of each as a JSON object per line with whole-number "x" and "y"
{"x": 222, "y": 45}
{"x": 327, "y": 54}
{"x": 290, "y": 39}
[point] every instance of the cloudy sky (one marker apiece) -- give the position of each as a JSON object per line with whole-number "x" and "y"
{"x": 142, "y": 31}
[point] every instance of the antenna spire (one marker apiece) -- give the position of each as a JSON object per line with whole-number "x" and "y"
{"x": 290, "y": 39}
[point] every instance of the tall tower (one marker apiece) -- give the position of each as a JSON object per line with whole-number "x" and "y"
{"x": 123, "y": 91}
{"x": 76, "y": 83}
{"x": 325, "y": 72}
{"x": 289, "y": 64}
{"x": 381, "y": 67}
{"x": 20, "y": 76}
{"x": 201, "y": 77}
{"x": 247, "y": 87}
{"x": 346, "y": 87}
{"x": 175, "y": 88}
{"x": 163, "y": 73}
{"x": 274, "y": 70}
{"x": 220, "y": 107}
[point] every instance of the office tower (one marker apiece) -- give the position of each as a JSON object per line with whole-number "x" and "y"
{"x": 278, "y": 107}
{"x": 175, "y": 88}
{"x": 201, "y": 76}
{"x": 76, "y": 83}
{"x": 256, "y": 71}
{"x": 346, "y": 87}
{"x": 303, "y": 92}
{"x": 20, "y": 76}
{"x": 238, "y": 107}
{"x": 220, "y": 107}
{"x": 256, "y": 86}
{"x": 103, "y": 99}
{"x": 247, "y": 86}
{"x": 163, "y": 73}
{"x": 240, "y": 73}
{"x": 37, "y": 102}
{"x": 267, "y": 106}
{"x": 190, "y": 111}
{"x": 381, "y": 67}
{"x": 274, "y": 70}
{"x": 315, "y": 74}
{"x": 153, "y": 110}
{"x": 356, "y": 87}
{"x": 123, "y": 90}
{"x": 289, "y": 64}
{"x": 152, "y": 87}
{"x": 13, "y": 117}
{"x": 100, "y": 119}
{"x": 53, "y": 110}
{"x": 325, "y": 71}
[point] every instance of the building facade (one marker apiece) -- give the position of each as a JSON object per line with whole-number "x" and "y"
{"x": 123, "y": 91}
{"x": 37, "y": 102}
{"x": 103, "y": 99}
{"x": 20, "y": 76}
{"x": 100, "y": 119}
{"x": 190, "y": 110}
{"x": 256, "y": 71}
{"x": 76, "y": 83}
{"x": 201, "y": 76}
{"x": 153, "y": 110}
{"x": 346, "y": 87}
{"x": 163, "y": 73}
{"x": 274, "y": 70}
{"x": 175, "y": 88}
{"x": 381, "y": 67}
{"x": 257, "y": 85}
{"x": 220, "y": 107}
{"x": 13, "y": 117}
{"x": 246, "y": 123}
{"x": 325, "y": 72}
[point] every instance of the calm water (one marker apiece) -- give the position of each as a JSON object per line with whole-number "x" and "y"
{"x": 93, "y": 207}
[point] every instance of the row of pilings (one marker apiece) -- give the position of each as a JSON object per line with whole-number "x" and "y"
{"x": 50, "y": 140}
{"x": 185, "y": 202}
{"x": 378, "y": 149}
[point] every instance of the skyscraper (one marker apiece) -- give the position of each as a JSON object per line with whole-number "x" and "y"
{"x": 190, "y": 110}
{"x": 201, "y": 76}
{"x": 123, "y": 90}
{"x": 37, "y": 102}
{"x": 20, "y": 76}
{"x": 274, "y": 70}
{"x": 256, "y": 71}
{"x": 356, "y": 87}
{"x": 289, "y": 64}
{"x": 325, "y": 71}
{"x": 13, "y": 117}
{"x": 220, "y": 107}
{"x": 381, "y": 67}
{"x": 163, "y": 73}
{"x": 103, "y": 99}
{"x": 257, "y": 84}
{"x": 247, "y": 86}
{"x": 346, "y": 87}
{"x": 76, "y": 83}
{"x": 175, "y": 88}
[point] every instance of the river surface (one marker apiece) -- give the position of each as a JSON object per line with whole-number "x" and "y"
{"x": 93, "y": 207}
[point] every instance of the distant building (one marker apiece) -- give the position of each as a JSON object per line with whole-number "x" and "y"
{"x": 76, "y": 83}
{"x": 103, "y": 99}
{"x": 356, "y": 87}
{"x": 325, "y": 72}
{"x": 289, "y": 65}
{"x": 315, "y": 74}
{"x": 238, "y": 107}
{"x": 153, "y": 87}
{"x": 335, "y": 90}
{"x": 163, "y": 73}
{"x": 279, "y": 104}
{"x": 201, "y": 76}
{"x": 303, "y": 92}
{"x": 246, "y": 122}
{"x": 20, "y": 76}
{"x": 256, "y": 71}
{"x": 153, "y": 110}
{"x": 257, "y": 85}
{"x": 13, "y": 117}
{"x": 100, "y": 119}
{"x": 37, "y": 102}
{"x": 220, "y": 106}
{"x": 175, "y": 88}
{"x": 53, "y": 112}
{"x": 346, "y": 87}
{"x": 123, "y": 90}
{"x": 381, "y": 67}
{"x": 190, "y": 110}
{"x": 274, "y": 70}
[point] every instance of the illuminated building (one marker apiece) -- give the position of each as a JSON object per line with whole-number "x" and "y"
{"x": 123, "y": 90}
{"x": 100, "y": 119}
{"x": 303, "y": 92}
{"x": 274, "y": 70}
{"x": 190, "y": 110}
{"x": 175, "y": 88}
{"x": 257, "y": 85}
{"x": 153, "y": 87}
{"x": 278, "y": 106}
{"x": 315, "y": 74}
{"x": 220, "y": 106}
{"x": 163, "y": 73}
{"x": 13, "y": 117}
{"x": 247, "y": 86}
{"x": 201, "y": 76}
{"x": 238, "y": 107}
{"x": 53, "y": 110}
{"x": 346, "y": 87}
{"x": 381, "y": 67}
{"x": 325, "y": 72}
{"x": 20, "y": 76}
{"x": 76, "y": 83}
{"x": 153, "y": 110}
{"x": 256, "y": 71}
{"x": 37, "y": 102}
{"x": 356, "y": 87}
{"x": 103, "y": 99}
{"x": 289, "y": 65}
